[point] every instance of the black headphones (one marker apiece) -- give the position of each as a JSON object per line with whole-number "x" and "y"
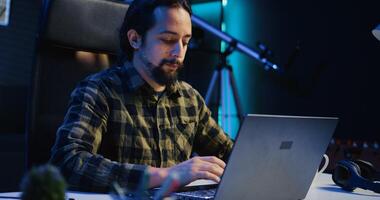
{"x": 351, "y": 174}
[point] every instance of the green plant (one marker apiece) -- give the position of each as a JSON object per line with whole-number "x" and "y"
{"x": 43, "y": 183}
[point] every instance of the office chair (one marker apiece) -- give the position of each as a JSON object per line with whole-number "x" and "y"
{"x": 66, "y": 27}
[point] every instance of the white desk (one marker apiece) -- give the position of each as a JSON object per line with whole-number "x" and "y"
{"x": 323, "y": 188}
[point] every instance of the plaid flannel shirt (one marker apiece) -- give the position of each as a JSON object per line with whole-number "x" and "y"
{"x": 115, "y": 127}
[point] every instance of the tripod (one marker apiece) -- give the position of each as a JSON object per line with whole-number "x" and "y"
{"x": 224, "y": 67}
{"x": 223, "y": 72}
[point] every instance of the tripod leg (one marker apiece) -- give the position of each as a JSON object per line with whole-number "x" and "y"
{"x": 236, "y": 96}
{"x": 211, "y": 86}
{"x": 223, "y": 98}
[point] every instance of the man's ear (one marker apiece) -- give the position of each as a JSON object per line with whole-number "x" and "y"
{"x": 134, "y": 39}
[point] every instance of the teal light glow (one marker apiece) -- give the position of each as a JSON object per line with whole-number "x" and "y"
{"x": 227, "y": 111}
{"x": 209, "y": 12}
{"x": 237, "y": 25}
{"x": 223, "y": 44}
{"x": 229, "y": 119}
{"x": 224, "y": 2}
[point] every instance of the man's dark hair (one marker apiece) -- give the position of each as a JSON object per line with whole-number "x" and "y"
{"x": 140, "y": 17}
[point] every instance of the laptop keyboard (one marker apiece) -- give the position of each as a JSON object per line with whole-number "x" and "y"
{"x": 198, "y": 194}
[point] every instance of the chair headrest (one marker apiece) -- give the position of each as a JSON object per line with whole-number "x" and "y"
{"x": 89, "y": 25}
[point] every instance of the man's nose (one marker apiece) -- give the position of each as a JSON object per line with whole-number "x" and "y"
{"x": 178, "y": 50}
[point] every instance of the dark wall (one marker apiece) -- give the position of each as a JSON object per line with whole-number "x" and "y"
{"x": 334, "y": 72}
{"x": 16, "y": 56}
{"x": 17, "y": 42}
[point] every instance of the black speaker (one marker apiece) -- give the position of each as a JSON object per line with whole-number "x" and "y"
{"x": 351, "y": 174}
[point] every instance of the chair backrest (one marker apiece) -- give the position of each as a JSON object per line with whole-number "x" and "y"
{"x": 67, "y": 26}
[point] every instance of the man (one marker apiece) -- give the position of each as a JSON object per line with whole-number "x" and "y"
{"x": 137, "y": 118}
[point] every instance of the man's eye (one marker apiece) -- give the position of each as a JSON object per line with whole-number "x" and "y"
{"x": 169, "y": 41}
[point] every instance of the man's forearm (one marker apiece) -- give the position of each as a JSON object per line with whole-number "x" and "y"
{"x": 157, "y": 176}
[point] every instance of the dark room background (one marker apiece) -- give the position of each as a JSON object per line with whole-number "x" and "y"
{"x": 330, "y": 57}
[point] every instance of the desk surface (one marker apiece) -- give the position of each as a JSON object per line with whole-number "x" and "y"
{"x": 322, "y": 188}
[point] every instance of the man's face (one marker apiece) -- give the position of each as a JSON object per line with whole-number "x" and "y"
{"x": 163, "y": 50}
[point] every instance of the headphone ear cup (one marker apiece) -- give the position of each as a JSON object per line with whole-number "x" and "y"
{"x": 343, "y": 174}
{"x": 367, "y": 169}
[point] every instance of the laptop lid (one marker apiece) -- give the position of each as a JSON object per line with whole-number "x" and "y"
{"x": 275, "y": 157}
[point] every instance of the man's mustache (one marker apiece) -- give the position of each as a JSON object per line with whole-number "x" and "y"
{"x": 171, "y": 61}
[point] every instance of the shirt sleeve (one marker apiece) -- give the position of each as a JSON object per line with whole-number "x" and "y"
{"x": 210, "y": 139}
{"x": 78, "y": 140}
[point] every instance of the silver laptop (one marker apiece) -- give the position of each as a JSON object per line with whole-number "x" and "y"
{"x": 274, "y": 157}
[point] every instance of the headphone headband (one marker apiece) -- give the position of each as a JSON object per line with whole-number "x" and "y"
{"x": 350, "y": 174}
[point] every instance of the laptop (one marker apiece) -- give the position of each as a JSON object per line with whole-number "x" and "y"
{"x": 274, "y": 157}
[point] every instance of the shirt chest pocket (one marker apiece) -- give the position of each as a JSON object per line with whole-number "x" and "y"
{"x": 183, "y": 138}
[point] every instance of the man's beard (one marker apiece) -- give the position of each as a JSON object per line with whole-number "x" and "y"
{"x": 157, "y": 72}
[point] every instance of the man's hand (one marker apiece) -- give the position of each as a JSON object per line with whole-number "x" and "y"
{"x": 208, "y": 167}
{"x": 199, "y": 168}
